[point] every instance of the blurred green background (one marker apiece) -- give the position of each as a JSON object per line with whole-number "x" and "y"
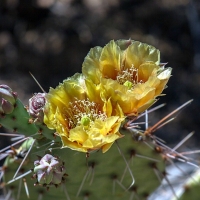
{"x": 50, "y": 39}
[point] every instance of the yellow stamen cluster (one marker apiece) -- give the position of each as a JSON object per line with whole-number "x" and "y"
{"x": 82, "y": 112}
{"x": 128, "y": 77}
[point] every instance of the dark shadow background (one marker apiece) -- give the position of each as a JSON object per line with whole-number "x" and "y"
{"x": 50, "y": 39}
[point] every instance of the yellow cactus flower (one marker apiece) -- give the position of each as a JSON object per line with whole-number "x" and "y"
{"x": 80, "y": 117}
{"x": 129, "y": 72}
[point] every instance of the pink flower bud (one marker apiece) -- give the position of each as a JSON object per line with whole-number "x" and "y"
{"x": 49, "y": 170}
{"x": 36, "y": 105}
{"x": 7, "y": 99}
{"x": 7, "y": 107}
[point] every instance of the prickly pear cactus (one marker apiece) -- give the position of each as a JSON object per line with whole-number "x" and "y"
{"x": 101, "y": 175}
{"x": 81, "y": 140}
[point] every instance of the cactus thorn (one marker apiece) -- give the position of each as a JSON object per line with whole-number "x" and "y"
{"x": 37, "y": 82}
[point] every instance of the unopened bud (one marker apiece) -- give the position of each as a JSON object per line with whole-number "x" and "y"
{"x": 49, "y": 171}
{"x": 36, "y": 105}
{"x": 7, "y": 107}
{"x": 7, "y": 99}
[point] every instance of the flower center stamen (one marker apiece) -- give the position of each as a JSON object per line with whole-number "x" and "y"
{"x": 83, "y": 112}
{"x": 128, "y": 77}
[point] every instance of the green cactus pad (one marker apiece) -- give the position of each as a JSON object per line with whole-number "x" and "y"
{"x": 18, "y": 121}
{"x": 106, "y": 170}
{"x": 190, "y": 188}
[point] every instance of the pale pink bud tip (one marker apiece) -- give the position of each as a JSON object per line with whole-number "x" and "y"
{"x": 49, "y": 170}
{"x": 7, "y": 107}
{"x": 7, "y": 99}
